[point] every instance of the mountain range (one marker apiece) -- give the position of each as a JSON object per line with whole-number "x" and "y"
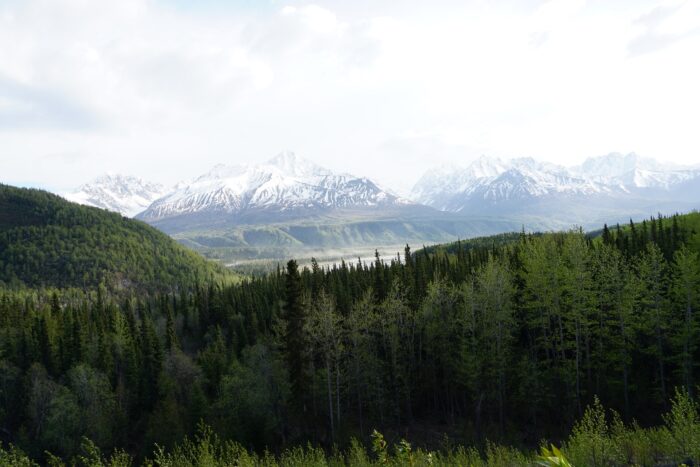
{"x": 285, "y": 187}
{"x": 119, "y": 193}
{"x": 288, "y": 204}
{"x": 602, "y": 189}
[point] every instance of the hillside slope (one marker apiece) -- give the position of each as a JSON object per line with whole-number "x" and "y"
{"x": 48, "y": 241}
{"x": 666, "y": 231}
{"x": 344, "y": 235}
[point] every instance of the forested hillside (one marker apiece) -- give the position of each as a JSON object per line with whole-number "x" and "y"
{"x": 48, "y": 241}
{"x": 507, "y": 343}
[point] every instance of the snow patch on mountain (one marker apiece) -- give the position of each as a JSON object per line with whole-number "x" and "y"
{"x": 119, "y": 193}
{"x": 284, "y": 183}
{"x": 492, "y": 180}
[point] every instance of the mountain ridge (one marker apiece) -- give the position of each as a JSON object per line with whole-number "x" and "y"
{"x": 282, "y": 187}
{"x": 290, "y": 204}
{"x": 523, "y": 182}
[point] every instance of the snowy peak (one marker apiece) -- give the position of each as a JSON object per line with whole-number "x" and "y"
{"x": 485, "y": 167}
{"x": 119, "y": 193}
{"x": 610, "y": 165}
{"x": 285, "y": 164}
{"x": 290, "y": 164}
{"x": 616, "y": 164}
{"x": 436, "y": 184}
{"x": 284, "y": 184}
{"x": 630, "y": 172}
{"x": 488, "y": 178}
{"x": 218, "y": 172}
{"x": 494, "y": 181}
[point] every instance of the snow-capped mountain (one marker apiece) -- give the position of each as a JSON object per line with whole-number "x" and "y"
{"x": 630, "y": 172}
{"x": 120, "y": 193}
{"x": 310, "y": 204}
{"x": 491, "y": 180}
{"x": 438, "y": 184}
{"x": 285, "y": 186}
{"x": 491, "y": 185}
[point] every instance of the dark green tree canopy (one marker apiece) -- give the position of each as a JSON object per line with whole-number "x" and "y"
{"x": 48, "y": 241}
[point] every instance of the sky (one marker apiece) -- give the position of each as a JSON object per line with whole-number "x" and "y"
{"x": 166, "y": 89}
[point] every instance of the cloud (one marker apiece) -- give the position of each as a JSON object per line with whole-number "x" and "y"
{"x": 665, "y": 25}
{"x": 164, "y": 89}
{"x": 551, "y": 15}
{"x": 314, "y": 35}
{"x": 23, "y": 107}
{"x": 71, "y": 158}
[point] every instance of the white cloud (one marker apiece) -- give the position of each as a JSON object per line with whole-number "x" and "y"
{"x": 164, "y": 92}
{"x": 666, "y": 24}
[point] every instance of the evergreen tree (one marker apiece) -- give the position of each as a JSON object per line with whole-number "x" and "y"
{"x": 170, "y": 334}
{"x": 653, "y": 275}
{"x": 295, "y": 339}
{"x": 686, "y": 284}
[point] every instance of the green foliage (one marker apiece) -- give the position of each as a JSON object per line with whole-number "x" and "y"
{"x": 251, "y": 397}
{"x": 476, "y": 243}
{"x": 591, "y": 443}
{"x": 503, "y": 456}
{"x": 379, "y": 446}
{"x": 683, "y": 423}
{"x": 553, "y": 457}
{"x": 91, "y": 456}
{"x": 641, "y": 446}
{"x": 13, "y": 457}
{"x": 48, "y": 241}
{"x": 207, "y": 449}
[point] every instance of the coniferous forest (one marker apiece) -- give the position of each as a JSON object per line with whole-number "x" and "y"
{"x": 440, "y": 356}
{"x": 46, "y": 241}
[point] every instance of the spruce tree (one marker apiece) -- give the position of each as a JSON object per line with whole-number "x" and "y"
{"x": 170, "y": 334}
{"x": 686, "y": 282}
{"x": 295, "y": 340}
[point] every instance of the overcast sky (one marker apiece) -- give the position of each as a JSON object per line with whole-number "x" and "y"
{"x": 166, "y": 89}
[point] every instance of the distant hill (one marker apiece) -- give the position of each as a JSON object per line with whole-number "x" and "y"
{"x": 346, "y": 234}
{"x": 682, "y": 227}
{"x": 667, "y": 231}
{"x": 491, "y": 241}
{"x": 48, "y": 241}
